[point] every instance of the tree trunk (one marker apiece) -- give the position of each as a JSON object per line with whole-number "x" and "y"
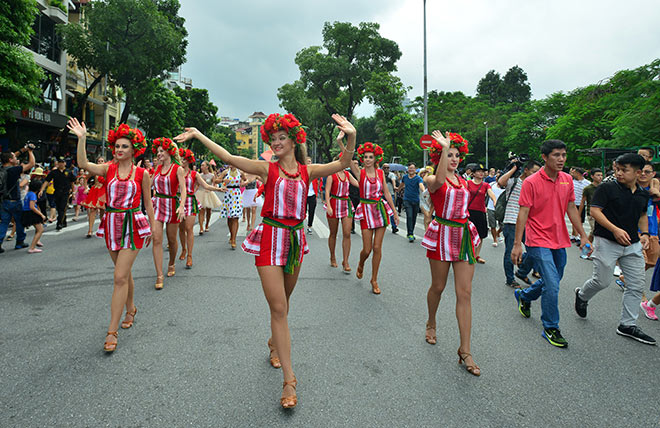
{"x": 126, "y": 111}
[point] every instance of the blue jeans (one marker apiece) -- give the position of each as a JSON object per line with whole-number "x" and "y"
{"x": 412, "y": 209}
{"x": 10, "y": 209}
{"x": 550, "y": 264}
{"x": 509, "y": 231}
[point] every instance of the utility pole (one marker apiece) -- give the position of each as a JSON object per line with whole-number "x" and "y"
{"x": 486, "y": 123}
{"x": 426, "y": 100}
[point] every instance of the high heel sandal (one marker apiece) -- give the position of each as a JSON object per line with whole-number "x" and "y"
{"x": 233, "y": 244}
{"x": 430, "y": 335}
{"x": 171, "y": 270}
{"x": 183, "y": 255}
{"x": 110, "y": 346}
{"x": 274, "y": 361}
{"x": 333, "y": 263}
{"x": 359, "y": 272}
{"x": 290, "y": 401}
{"x": 374, "y": 287}
{"x": 189, "y": 262}
{"x": 346, "y": 268}
{"x": 472, "y": 369}
{"x": 159, "y": 282}
{"x": 129, "y": 324}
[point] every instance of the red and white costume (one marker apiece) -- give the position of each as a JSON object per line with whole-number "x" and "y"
{"x": 166, "y": 198}
{"x": 451, "y": 236}
{"x": 191, "y": 206}
{"x": 339, "y": 200}
{"x": 124, "y": 226}
{"x": 284, "y": 210}
{"x": 373, "y": 211}
{"x": 96, "y": 195}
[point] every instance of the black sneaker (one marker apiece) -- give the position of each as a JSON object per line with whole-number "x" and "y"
{"x": 580, "y": 305}
{"x": 523, "y": 278}
{"x": 395, "y": 230}
{"x": 636, "y": 333}
{"x": 554, "y": 337}
{"x": 513, "y": 284}
{"x": 20, "y": 245}
{"x": 523, "y": 305}
{"x": 1, "y": 250}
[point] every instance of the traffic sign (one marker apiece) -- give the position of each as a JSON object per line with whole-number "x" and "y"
{"x": 426, "y": 141}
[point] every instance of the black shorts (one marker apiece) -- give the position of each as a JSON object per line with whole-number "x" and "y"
{"x": 478, "y": 218}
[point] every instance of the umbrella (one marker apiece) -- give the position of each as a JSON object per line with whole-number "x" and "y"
{"x": 212, "y": 163}
{"x": 397, "y": 167}
{"x": 267, "y": 155}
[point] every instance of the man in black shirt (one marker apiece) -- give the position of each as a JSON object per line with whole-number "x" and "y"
{"x": 62, "y": 182}
{"x": 619, "y": 208}
{"x": 12, "y": 206}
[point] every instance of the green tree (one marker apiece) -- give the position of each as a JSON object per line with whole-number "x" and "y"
{"x": 20, "y": 77}
{"x": 223, "y": 136}
{"x": 131, "y": 41}
{"x": 337, "y": 73}
{"x": 198, "y": 112}
{"x": 160, "y": 110}
{"x": 489, "y": 87}
{"x": 515, "y": 87}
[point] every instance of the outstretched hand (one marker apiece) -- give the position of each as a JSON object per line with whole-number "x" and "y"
{"x": 76, "y": 127}
{"x": 344, "y": 125}
{"x": 188, "y": 134}
{"x": 340, "y": 141}
{"x": 441, "y": 139}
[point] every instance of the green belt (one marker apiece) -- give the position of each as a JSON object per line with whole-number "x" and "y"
{"x": 293, "y": 258}
{"x": 162, "y": 195}
{"x": 381, "y": 208}
{"x": 195, "y": 208}
{"x": 127, "y": 224}
{"x": 347, "y": 199}
{"x": 467, "y": 250}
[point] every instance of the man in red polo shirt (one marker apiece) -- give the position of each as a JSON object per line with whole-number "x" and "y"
{"x": 545, "y": 198}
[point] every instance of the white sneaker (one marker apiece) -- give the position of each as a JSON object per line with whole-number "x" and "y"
{"x": 617, "y": 271}
{"x": 494, "y": 244}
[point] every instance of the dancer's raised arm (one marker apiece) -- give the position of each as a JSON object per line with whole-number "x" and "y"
{"x": 434, "y": 182}
{"x": 256, "y": 167}
{"x": 324, "y": 170}
{"x": 80, "y": 130}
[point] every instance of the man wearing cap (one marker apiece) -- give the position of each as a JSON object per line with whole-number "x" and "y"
{"x": 412, "y": 185}
{"x": 11, "y": 205}
{"x": 63, "y": 181}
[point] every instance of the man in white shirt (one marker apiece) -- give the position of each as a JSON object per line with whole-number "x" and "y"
{"x": 579, "y": 183}
{"x": 490, "y": 212}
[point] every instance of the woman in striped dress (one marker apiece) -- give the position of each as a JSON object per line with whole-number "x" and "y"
{"x": 374, "y": 210}
{"x": 450, "y": 240}
{"x": 339, "y": 208}
{"x": 169, "y": 182}
{"x": 279, "y": 242}
{"x": 191, "y": 206}
{"x": 125, "y": 228}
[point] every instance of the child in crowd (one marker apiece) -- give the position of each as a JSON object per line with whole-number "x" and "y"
{"x": 32, "y": 215}
{"x": 79, "y": 191}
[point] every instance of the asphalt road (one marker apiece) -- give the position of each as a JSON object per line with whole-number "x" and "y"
{"x": 197, "y": 353}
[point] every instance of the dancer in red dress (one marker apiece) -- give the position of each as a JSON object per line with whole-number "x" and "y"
{"x": 279, "y": 242}
{"x": 169, "y": 182}
{"x": 95, "y": 199}
{"x": 125, "y": 228}
{"x": 451, "y": 240}
{"x": 373, "y": 212}
{"x": 339, "y": 209}
{"x": 191, "y": 206}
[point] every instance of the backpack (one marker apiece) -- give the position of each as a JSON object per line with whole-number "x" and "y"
{"x": 4, "y": 189}
{"x": 502, "y": 200}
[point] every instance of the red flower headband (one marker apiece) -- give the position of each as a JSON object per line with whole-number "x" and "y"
{"x": 134, "y": 135}
{"x": 187, "y": 154}
{"x": 370, "y": 147}
{"x": 168, "y": 145}
{"x": 456, "y": 141}
{"x": 275, "y": 122}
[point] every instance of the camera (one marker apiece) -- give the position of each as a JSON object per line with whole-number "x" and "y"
{"x": 519, "y": 161}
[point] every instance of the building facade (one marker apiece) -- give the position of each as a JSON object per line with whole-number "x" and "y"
{"x": 248, "y": 135}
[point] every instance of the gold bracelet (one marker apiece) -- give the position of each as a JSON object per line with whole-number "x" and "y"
{"x": 349, "y": 151}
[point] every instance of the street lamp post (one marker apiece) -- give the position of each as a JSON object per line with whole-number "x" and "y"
{"x": 486, "y": 123}
{"x": 426, "y": 101}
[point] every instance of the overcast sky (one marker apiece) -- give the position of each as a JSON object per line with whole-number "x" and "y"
{"x": 242, "y": 52}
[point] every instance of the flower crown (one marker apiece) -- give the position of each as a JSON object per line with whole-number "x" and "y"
{"x": 456, "y": 141}
{"x": 370, "y": 147}
{"x": 168, "y": 145}
{"x": 275, "y": 122}
{"x": 187, "y": 155}
{"x": 133, "y": 134}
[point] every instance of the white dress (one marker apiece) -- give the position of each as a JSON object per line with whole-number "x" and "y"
{"x": 207, "y": 198}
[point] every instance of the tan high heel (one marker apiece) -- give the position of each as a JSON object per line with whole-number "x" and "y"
{"x": 374, "y": 287}
{"x": 290, "y": 401}
{"x": 274, "y": 361}
{"x": 171, "y": 270}
{"x": 472, "y": 369}
{"x": 183, "y": 254}
{"x": 333, "y": 263}
{"x": 159, "y": 282}
{"x": 430, "y": 335}
{"x": 129, "y": 324}
{"x": 110, "y": 346}
{"x": 345, "y": 268}
{"x": 359, "y": 272}
{"x": 189, "y": 262}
